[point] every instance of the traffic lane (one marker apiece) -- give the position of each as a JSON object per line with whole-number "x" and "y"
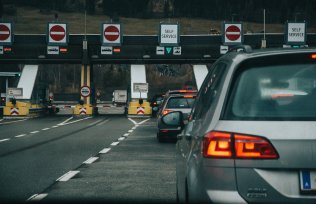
{"x": 35, "y": 134}
{"x": 29, "y": 171}
{"x": 12, "y": 128}
{"x": 138, "y": 169}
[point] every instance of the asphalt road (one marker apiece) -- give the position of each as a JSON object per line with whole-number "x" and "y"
{"x": 105, "y": 158}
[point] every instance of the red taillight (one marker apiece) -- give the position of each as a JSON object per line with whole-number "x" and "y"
{"x": 166, "y": 111}
{"x": 313, "y": 56}
{"x": 254, "y": 147}
{"x": 230, "y": 145}
{"x": 217, "y": 144}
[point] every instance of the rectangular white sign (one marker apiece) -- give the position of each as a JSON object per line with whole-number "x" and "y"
{"x": 14, "y": 91}
{"x": 176, "y": 50}
{"x": 140, "y": 87}
{"x": 160, "y": 50}
{"x": 106, "y": 50}
{"x": 296, "y": 33}
{"x": 52, "y": 50}
{"x": 169, "y": 34}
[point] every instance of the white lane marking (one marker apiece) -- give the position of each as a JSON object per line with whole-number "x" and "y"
{"x": 91, "y": 124}
{"x": 3, "y": 140}
{"x": 130, "y": 131}
{"x": 22, "y": 135}
{"x": 133, "y": 121}
{"x": 103, "y": 122}
{"x": 46, "y": 129}
{"x": 105, "y": 150}
{"x": 134, "y": 128}
{"x": 37, "y": 197}
{"x": 68, "y": 176}
{"x": 1, "y": 120}
{"x": 16, "y": 121}
{"x": 91, "y": 160}
{"x": 62, "y": 123}
{"x": 55, "y": 126}
{"x": 36, "y": 131}
{"x": 115, "y": 143}
{"x": 77, "y": 120}
{"x": 143, "y": 121}
{"x": 121, "y": 138}
{"x": 126, "y": 135}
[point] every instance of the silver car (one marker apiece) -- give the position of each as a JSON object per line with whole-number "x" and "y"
{"x": 251, "y": 137}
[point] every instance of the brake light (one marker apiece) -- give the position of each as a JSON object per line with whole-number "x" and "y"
{"x": 231, "y": 145}
{"x": 217, "y": 144}
{"x": 188, "y": 96}
{"x": 254, "y": 147}
{"x": 313, "y": 56}
{"x": 166, "y": 111}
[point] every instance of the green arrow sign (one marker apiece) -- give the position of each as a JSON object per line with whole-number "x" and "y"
{"x": 168, "y": 49}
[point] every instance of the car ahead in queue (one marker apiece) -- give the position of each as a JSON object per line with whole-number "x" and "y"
{"x": 251, "y": 136}
{"x": 175, "y": 101}
{"x": 155, "y": 103}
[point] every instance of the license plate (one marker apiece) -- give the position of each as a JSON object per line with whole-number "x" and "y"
{"x": 308, "y": 181}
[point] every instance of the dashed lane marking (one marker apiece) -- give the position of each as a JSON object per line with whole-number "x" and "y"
{"x": 34, "y": 132}
{"x": 126, "y": 135}
{"x": 133, "y": 121}
{"x": 22, "y": 135}
{"x": 4, "y": 140}
{"x": 115, "y": 143}
{"x": 91, "y": 160}
{"x": 105, "y": 150}
{"x": 45, "y": 129}
{"x": 55, "y": 126}
{"x": 37, "y": 197}
{"x": 130, "y": 131}
{"x": 68, "y": 176}
{"x": 134, "y": 128}
{"x": 121, "y": 138}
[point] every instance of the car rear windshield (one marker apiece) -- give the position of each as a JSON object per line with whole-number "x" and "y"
{"x": 282, "y": 92}
{"x": 180, "y": 103}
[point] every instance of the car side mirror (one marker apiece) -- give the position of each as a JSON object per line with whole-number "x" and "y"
{"x": 174, "y": 119}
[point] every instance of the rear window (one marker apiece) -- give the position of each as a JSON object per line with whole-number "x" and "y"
{"x": 283, "y": 92}
{"x": 180, "y": 103}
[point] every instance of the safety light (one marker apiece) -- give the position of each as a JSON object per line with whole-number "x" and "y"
{"x": 232, "y": 145}
{"x": 63, "y": 50}
{"x": 166, "y": 111}
{"x": 117, "y": 50}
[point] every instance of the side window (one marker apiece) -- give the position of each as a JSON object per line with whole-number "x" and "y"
{"x": 209, "y": 91}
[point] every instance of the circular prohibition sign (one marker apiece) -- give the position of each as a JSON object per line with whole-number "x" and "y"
{"x": 85, "y": 91}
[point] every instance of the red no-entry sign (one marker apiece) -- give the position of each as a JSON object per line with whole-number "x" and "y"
{"x": 233, "y": 33}
{"x": 111, "y": 34}
{"x": 5, "y": 33}
{"x": 57, "y": 33}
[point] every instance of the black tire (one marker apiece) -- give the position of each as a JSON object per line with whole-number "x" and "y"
{"x": 159, "y": 138}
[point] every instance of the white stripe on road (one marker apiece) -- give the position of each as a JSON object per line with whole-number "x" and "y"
{"x": 16, "y": 121}
{"x": 115, "y": 143}
{"x": 37, "y": 197}
{"x": 62, "y": 123}
{"x": 1, "y": 120}
{"x": 121, "y": 138}
{"x": 103, "y": 122}
{"x": 68, "y": 176}
{"x": 34, "y": 132}
{"x": 77, "y": 120}
{"x": 55, "y": 126}
{"x": 143, "y": 121}
{"x": 3, "y": 140}
{"x": 105, "y": 150}
{"x": 91, "y": 160}
{"x": 134, "y": 127}
{"x": 46, "y": 129}
{"x": 126, "y": 135}
{"x": 130, "y": 131}
{"x": 133, "y": 121}
{"x": 22, "y": 135}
